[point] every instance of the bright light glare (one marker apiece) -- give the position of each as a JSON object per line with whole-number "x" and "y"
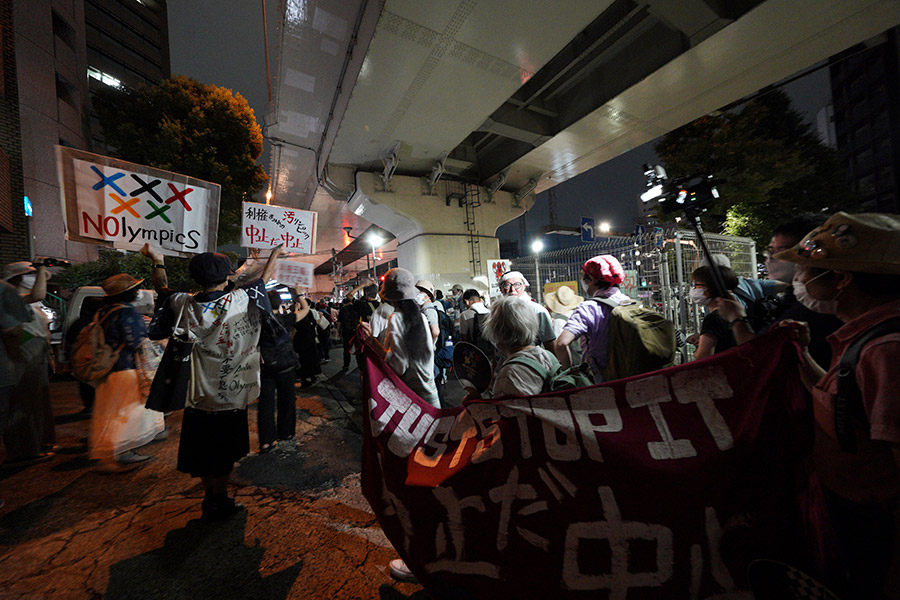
{"x": 604, "y": 227}
{"x": 376, "y": 240}
{"x": 537, "y": 246}
{"x": 652, "y": 193}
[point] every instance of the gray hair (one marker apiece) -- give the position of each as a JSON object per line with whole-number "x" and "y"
{"x": 511, "y": 322}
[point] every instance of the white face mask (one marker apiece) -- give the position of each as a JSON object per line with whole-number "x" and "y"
{"x": 421, "y": 298}
{"x": 27, "y": 281}
{"x": 780, "y": 270}
{"x": 826, "y": 307}
{"x": 698, "y": 296}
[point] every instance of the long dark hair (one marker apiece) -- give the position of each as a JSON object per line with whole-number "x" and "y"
{"x": 414, "y": 334}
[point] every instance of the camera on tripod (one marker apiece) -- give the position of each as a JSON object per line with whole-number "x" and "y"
{"x": 694, "y": 193}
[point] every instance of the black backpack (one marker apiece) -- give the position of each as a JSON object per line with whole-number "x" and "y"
{"x": 849, "y": 412}
{"x": 479, "y": 340}
{"x": 443, "y": 347}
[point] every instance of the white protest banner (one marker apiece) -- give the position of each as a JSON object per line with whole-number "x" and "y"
{"x": 495, "y": 268}
{"x": 292, "y": 273}
{"x": 124, "y": 205}
{"x": 266, "y": 226}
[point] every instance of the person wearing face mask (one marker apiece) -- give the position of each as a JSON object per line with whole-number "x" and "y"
{"x": 785, "y": 236}
{"x": 716, "y": 334}
{"x": 30, "y": 436}
{"x": 432, "y": 310}
{"x": 850, "y": 266}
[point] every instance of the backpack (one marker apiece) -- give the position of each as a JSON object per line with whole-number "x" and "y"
{"x": 479, "y": 340}
{"x": 443, "y": 347}
{"x": 92, "y": 358}
{"x": 556, "y": 378}
{"x": 640, "y": 340}
{"x": 849, "y": 412}
{"x": 761, "y": 312}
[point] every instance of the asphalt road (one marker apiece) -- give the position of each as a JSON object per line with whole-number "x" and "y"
{"x": 68, "y": 531}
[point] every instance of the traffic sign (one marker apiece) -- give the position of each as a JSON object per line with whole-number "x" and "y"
{"x": 638, "y": 230}
{"x": 587, "y": 229}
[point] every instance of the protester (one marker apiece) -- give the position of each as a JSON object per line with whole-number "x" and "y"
{"x": 850, "y": 266}
{"x": 716, "y": 333}
{"x": 600, "y": 277}
{"x": 348, "y": 319}
{"x": 406, "y": 344}
{"x": 14, "y": 313}
{"x": 511, "y": 327}
{"x": 306, "y": 337}
{"x": 471, "y": 323}
{"x": 749, "y": 290}
{"x": 561, "y": 303}
{"x": 513, "y": 283}
{"x": 120, "y": 422}
{"x": 30, "y": 435}
{"x": 432, "y": 310}
{"x": 324, "y": 322}
{"x": 223, "y": 322}
{"x": 380, "y": 317}
{"x": 277, "y": 377}
{"x": 89, "y": 307}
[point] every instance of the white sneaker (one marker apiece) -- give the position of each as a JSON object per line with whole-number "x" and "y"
{"x": 401, "y": 572}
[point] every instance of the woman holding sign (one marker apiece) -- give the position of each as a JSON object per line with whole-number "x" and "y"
{"x": 223, "y": 323}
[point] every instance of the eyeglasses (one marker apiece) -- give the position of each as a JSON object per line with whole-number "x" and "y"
{"x": 506, "y": 286}
{"x": 772, "y": 250}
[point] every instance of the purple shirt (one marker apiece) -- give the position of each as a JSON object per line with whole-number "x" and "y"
{"x": 589, "y": 321}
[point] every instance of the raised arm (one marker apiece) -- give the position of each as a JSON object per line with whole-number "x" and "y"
{"x": 39, "y": 291}
{"x": 158, "y": 274}
{"x": 269, "y": 269}
{"x": 365, "y": 282}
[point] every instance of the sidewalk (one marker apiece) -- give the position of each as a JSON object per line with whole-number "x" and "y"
{"x": 67, "y": 531}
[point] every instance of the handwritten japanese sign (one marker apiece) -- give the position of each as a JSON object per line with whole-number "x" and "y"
{"x": 125, "y": 205}
{"x": 266, "y": 226}
{"x": 661, "y": 486}
{"x": 291, "y": 273}
{"x": 495, "y": 269}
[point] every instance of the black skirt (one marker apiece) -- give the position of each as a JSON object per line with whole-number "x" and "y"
{"x": 211, "y": 442}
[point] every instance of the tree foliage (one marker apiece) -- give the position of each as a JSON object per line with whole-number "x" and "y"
{"x": 184, "y": 126}
{"x": 774, "y": 163}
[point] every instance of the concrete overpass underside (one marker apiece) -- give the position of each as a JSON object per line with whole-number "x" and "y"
{"x": 384, "y": 112}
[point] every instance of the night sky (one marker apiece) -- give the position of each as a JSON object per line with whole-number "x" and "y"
{"x": 221, "y": 42}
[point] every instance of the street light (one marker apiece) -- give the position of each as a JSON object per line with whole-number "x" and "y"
{"x": 375, "y": 240}
{"x": 604, "y": 227}
{"x": 536, "y": 247}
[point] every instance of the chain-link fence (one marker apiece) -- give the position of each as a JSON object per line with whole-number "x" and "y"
{"x": 658, "y": 267}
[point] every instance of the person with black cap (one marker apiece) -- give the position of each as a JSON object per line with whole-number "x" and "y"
{"x": 223, "y": 322}
{"x": 120, "y": 422}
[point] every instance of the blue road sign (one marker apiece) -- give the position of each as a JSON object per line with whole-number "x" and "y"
{"x": 587, "y": 229}
{"x": 638, "y": 230}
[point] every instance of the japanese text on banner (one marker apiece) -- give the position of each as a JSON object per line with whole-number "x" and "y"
{"x": 292, "y": 273}
{"x": 266, "y": 226}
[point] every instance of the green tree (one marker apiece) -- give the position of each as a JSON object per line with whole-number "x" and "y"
{"x": 188, "y": 127}
{"x": 774, "y": 163}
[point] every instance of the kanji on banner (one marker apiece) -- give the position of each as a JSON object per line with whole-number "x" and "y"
{"x": 495, "y": 269}
{"x": 292, "y": 273}
{"x": 125, "y": 205}
{"x": 266, "y": 226}
{"x": 659, "y": 486}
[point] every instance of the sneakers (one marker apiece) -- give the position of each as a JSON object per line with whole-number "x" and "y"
{"x": 131, "y": 457}
{"x": 219, "y": 508}
{"x": 162, "y": 435}
{"x": 401, "y": 572}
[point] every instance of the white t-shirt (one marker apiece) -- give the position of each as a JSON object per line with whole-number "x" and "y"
{"x": 379, "y": 319}
{"x": 521, "y": 380}
{"x": 418, "y": 375}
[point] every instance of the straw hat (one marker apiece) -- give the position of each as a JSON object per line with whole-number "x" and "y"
{"x": 117, "y": 284}
{"x": 563, "y": 300}
{"x": 862, "y": 243}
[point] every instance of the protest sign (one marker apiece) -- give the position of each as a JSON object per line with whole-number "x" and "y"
{"x": 664, "y": 485}
{"x": 266, "y": 226}
{"x": 125, "y": 205}
{"x": 292, "y": 273}
{"x": 495, "y": 268}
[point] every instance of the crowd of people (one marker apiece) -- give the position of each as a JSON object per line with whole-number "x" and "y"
{"x": 832, "y": 282}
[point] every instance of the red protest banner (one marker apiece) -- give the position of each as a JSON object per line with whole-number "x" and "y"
{"x": 664, "y": 485}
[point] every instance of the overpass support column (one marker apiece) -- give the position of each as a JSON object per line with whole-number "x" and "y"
{"x": 446, "y": 235}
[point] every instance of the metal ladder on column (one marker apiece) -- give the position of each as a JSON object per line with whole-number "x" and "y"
{"x": 473, "y": 201}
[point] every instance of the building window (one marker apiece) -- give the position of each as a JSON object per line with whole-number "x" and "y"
{"x": 63, "y": 30}
{"x": 104, "y": 78}
{"x": 66, "y": 91}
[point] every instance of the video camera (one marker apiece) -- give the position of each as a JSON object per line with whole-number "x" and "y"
{"x": 693, "y": 193}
